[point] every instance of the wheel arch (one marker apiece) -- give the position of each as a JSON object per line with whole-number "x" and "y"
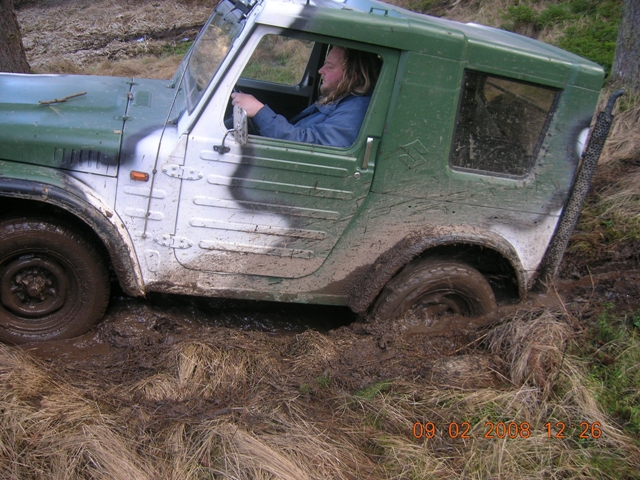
{"x": 88, "y": 212}
{"x": 487, "y": 252}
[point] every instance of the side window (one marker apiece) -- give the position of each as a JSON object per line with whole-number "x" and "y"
{"x": 279, "y": 59}
{"x": 316, "y": 93}
{"x": 500, "y": 124}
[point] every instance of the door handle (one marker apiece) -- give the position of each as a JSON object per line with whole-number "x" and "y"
{"x": 367, "y": 153}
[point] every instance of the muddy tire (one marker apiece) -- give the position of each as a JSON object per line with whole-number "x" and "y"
{"x": 431, "y": 288}
{"x": 53, "y": 283}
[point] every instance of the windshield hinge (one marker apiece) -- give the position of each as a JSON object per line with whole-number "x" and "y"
{"x": 171, "y": 241}
{"x": 178, "y": 171}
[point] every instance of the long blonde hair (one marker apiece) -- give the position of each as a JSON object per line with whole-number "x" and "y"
{"x": 360, "y": 74}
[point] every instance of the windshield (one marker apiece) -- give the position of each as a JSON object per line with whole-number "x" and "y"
{"x": 210, "y": 49}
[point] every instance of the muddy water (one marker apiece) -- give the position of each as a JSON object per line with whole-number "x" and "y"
{"x": 246, "y": 315}
{"x": 132, "y": 325}
{"x": 166, "y": 319}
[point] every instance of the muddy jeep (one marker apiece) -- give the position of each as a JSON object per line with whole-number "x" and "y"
{"x": 449, "y": 198}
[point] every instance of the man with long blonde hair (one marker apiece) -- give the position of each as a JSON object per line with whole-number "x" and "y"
{"x": 347, "y": 81}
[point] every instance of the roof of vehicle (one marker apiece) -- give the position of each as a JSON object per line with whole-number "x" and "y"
{"x": 480, "y": 46}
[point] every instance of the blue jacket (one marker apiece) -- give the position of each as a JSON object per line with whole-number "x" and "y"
{"x": 336, "y": 124}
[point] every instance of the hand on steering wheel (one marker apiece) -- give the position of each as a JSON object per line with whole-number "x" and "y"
{"x": 249, "y": 103}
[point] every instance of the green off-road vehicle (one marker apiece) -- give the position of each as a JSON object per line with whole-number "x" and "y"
{"x": 449, "y": 200}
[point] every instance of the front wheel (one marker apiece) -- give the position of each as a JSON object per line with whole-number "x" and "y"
{"x": 428, "y": 289}
{"x": 53, "y": 283}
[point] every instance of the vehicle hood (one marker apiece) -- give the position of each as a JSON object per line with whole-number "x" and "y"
{"x": 77, "y": 122}
{"x": 62, "y": 120}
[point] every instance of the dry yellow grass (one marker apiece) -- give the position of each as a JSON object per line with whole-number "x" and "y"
{"x": 227, "y": 406}
{"x": 533, "y": 347}
{"x": 624, "y": 137}
{"x": 619, "y": 201}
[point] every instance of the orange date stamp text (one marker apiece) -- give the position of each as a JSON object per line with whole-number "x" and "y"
{"x": 503, "y": 430}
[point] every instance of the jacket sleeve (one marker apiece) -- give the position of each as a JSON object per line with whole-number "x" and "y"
{"x": 334, "y": 125}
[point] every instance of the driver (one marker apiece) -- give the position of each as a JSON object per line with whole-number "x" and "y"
{"x": 347, "y": 81}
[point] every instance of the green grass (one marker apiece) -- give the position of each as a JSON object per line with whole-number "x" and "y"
{"x": 180, "y": 48}
{"x": 609, "y": 223}
{"x": 614, "y": 226}
{"x": 615, "y": 366}
{"x": 589, "y": 28}
{"x": 321, "y": 382}
{"x": 368, "y": 393}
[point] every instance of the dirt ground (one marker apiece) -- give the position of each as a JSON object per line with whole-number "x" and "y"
{"x": 129, "y": 341}
{"x": 87, "y": 35}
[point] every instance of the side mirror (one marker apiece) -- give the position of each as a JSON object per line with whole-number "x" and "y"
{"x": 240, "y": 125}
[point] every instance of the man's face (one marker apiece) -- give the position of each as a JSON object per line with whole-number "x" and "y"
{"x": 332, "y": 71}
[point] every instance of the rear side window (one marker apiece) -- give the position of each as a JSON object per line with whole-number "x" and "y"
{"x": 500, "y": 124}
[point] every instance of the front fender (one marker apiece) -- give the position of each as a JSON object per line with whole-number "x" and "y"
{"x": 60, "y": 189}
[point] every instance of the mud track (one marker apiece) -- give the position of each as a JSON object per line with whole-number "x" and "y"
{"x": 131, "y": 340}
{"x": 135, "y": 336}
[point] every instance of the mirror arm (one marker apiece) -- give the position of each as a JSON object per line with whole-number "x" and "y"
{"x": 222, "y": 149}
{"x": 240, "y": 130}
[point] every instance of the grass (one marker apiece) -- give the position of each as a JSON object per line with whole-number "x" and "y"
{"x": 252, "y": 406}
{"x": 588, "y": 28}
{"x": 609, "y": 225}
{"x": 611, "y": 221}
{"x": 278, "y": 59}
{"x": 368, "y": 393}
{"x": 227, "y": 406}
{"x": 609, "y": 230}
{"x": 615, "y": 370}
{"x": 321, "y": 382}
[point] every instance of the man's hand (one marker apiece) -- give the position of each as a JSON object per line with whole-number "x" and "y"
{"x": 250, "y": 104}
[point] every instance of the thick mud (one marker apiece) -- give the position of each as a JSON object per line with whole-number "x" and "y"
{"x": 130, "y": 340}
{"x": 166, "y": 319}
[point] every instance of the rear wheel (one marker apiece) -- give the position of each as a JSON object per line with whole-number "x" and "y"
{"x": 53, "y": 283}
{"x": 429, "y": 289}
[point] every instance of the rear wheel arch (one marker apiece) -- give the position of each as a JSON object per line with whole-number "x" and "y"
{"x": 491, "y": 256}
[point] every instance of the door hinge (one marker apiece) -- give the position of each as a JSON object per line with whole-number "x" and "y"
{"x": 171, "y": 241}
{"x": 178, "y": 171}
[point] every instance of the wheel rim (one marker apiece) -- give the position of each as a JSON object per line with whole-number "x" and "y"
{"x": 436, "y": 304}
{"x": 33, "y": 286}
